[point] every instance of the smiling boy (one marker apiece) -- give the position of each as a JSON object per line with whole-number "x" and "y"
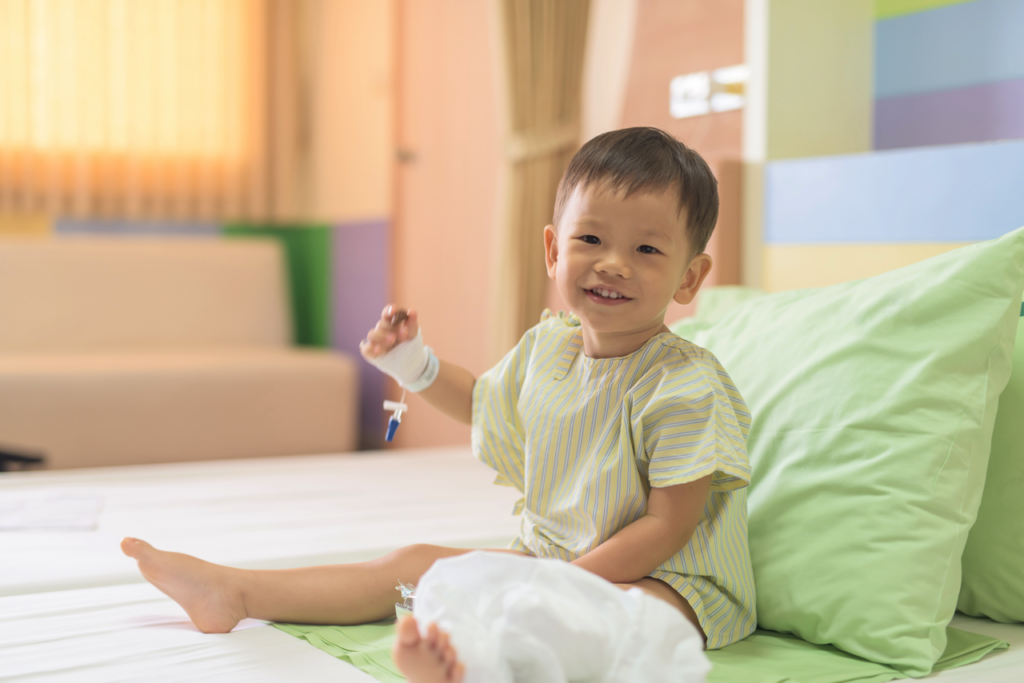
{"x": 627, "y": 442}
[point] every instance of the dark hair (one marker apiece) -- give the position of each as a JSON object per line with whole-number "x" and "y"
{"x": 643, "y": 159}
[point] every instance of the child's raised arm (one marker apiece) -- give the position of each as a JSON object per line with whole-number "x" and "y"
{"x": 451, "y": 391}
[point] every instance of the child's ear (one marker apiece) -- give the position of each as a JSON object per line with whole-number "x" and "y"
{"x": 550, "y": 249}
{"x": 698, "y": 269}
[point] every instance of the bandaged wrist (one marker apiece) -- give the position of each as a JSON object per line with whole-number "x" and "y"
{"x": 412, "y": 364}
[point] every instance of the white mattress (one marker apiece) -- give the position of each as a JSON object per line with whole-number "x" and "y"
{"x": 266, "y": 513}
{"x": 263, "y": 513}
{"x": 134, "y": 633}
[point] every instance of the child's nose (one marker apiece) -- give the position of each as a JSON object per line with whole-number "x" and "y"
{"x": 615, "y": 265}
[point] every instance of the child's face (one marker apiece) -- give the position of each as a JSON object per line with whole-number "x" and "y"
{"x": 619, "y": 261}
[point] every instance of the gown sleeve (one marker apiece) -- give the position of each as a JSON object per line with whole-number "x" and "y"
{"x": 694, "y": 423}
{"x": 497, "y": 429}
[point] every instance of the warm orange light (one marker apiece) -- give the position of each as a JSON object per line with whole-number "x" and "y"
{"x": 132, "y": 107}
{"x": 160, "y": 78}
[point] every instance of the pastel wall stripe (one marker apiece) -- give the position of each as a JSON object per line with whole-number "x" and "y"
{"x": 127, "y": 228}
{"x": 362, "y": 272}
{"x": 977, "y": 114}
{"x": 797, "y": 267}
{"x": 818, "y": 79}
{"x": 886, "y": 9}
{"x": 960, "y": 193}
{"x": 952, "y": 47}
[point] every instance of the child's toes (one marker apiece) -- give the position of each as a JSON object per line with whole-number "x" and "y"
{"x": 408, "y": 632}
{"x": 450, "y": 658}
{"x": 442, "y": 643}
{"x": 433, "y": 633}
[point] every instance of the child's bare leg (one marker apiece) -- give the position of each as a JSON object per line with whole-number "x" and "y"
{"x": 663, "y": 591}
{"x": 217, "y": 597}
{"x": 425, "y": 660}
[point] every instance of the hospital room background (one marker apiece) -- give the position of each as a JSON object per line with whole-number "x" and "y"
{"x": 205, "y": 205}
{"x": 391, "y": 151}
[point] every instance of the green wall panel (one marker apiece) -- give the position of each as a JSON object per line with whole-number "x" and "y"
{"x": 308, "y": 252}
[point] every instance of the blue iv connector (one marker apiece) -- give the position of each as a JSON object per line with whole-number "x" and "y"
{"x": 392, "y": 428}
{"x": 397, "y": 408}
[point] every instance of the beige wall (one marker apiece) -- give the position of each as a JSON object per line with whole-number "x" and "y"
{"x": 352, "y": 109}
{"x": 675, "y": 37}
{"x": 331, "y": 110}
{"x": 609, "y": 52}
{"x": 445, "y": 207}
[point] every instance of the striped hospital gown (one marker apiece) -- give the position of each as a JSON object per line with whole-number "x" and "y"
{"x": 584, "y": 439}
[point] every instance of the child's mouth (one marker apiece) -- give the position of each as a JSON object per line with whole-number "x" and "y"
{"x": 606, "y": 296}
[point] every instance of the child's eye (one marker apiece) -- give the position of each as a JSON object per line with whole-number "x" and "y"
{"x": 647, "y": 249}
{"x": 590, "y": 239}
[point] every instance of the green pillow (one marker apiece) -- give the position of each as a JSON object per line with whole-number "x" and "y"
{"x": 714, "y": 302}
{"x": 993, "y": 561}
{"x": 873, "y": 404}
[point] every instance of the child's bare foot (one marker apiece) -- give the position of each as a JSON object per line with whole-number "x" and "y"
{"x": 203, "y": 589}
{"x": 425, "y": 660}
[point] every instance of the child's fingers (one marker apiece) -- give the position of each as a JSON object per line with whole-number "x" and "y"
{"x": 377, "y": 343}
{"x": 392, "y": 317}
{"x": 412, "y": 324}
{"x": 384, "y": 340}
{"x": 368, "y": 350}
{"x": 379, "y": 328}
{"x": 395, "y": 326}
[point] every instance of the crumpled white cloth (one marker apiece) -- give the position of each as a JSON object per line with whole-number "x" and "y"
{"x": 518, "y": 619}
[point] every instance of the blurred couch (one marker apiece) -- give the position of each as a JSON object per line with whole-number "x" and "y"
{"x": 118, "y": 351}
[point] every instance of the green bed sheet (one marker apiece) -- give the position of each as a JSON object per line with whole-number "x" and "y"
{"x": 764, "y": 657}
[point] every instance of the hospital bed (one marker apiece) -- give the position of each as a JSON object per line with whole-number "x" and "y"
{"x": 72, "y": 608}
{"x": 260, "y": 514}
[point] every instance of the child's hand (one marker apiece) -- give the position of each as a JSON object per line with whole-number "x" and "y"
{"x": 395, "y": 326}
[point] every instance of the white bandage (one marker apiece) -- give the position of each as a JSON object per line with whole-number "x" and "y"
{"x": 515, "y": 618}
{"x": 411, "y": 363}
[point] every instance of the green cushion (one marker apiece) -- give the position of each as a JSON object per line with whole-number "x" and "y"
{"x": 365, "y": 646}
{"x": 993, "y": 561}
{"x": 873, "y": 404}
{"x": 764, "y": 657}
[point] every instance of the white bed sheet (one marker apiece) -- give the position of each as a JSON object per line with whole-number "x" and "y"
{"x": 261, "y": 513}
{"x": 264, "y": 513}
{"x": 134, "y": 633}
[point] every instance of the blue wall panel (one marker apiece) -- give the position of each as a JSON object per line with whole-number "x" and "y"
{"x": 951, "y": 47}
{"x": 958, "y": 193}
{"x": 126, "y": 228}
